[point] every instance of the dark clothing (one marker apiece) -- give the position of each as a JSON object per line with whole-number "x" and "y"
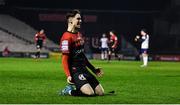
{"x": 39, "y": 39}
{"x": 72, "y": 45}
{"x": 39, "y": 44}
{"x": 83, "y": 76}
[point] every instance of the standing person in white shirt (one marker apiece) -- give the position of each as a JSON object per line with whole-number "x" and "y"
{"x": 144, "y": 39}
{"x": 104, "y": 46}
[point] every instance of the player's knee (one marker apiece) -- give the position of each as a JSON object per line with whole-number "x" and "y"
{"x": 99, "y": 90}
{"x": 100, "y": 93}
{"x": 87, "y": 90}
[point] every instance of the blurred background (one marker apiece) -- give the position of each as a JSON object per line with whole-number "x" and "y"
{"x": 21, "y": 19}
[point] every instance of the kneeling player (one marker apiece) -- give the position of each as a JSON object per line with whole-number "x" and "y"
{"x": 75, "y": 62}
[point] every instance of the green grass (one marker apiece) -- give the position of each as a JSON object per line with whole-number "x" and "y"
{"x": 29, "y": 81}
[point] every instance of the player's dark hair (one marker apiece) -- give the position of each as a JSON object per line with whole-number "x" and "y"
{"x": 41, "y": 29}
{"x": 113, "y": 31}
{"x": 72, "y": 13}
{"x": 144, "y": 30}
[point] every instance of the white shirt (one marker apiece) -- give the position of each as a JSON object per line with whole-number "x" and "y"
{"x": 104, "y": 42}
{"x": 145, "y": 43}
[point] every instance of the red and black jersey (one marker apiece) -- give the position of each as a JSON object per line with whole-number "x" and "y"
{"x": 73, "y": 57}
{"x": 40, "y": 37}
{"x": 72, "y": 45}
{"x": 113, "y": 41}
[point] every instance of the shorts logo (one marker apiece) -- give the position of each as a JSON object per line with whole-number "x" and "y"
{"x": 81, "y": 77}
{"x": 64, "y": 46}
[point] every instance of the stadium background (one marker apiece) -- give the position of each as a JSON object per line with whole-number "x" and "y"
{"x": 161, "y": 18}
{"x": 38, "y": 81}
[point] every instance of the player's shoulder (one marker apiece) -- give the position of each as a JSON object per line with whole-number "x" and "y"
{"x": 115, "y": 36}
{"x": 66, "y": 35}
{"x": 36, "y": 34}
{"x": 147, "y": 35}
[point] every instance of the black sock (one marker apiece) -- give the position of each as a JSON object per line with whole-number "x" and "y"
{"x": 79, "y": 93}
{"x": 76, "y": 93}
{"x": 109, "y": 57}
{"x": 117, "y": 57}
{"x": 38, "y": 54}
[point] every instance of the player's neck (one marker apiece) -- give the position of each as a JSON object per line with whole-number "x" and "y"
{"x": 72, "y": 29}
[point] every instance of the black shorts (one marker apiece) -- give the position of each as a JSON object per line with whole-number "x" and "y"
{"x": 104, "y": 49}
{"x": 144, "y": 51}
{"x": 39, "y": 44}
{"x": 113, "y": 50}
{"x": 81, "y": 78}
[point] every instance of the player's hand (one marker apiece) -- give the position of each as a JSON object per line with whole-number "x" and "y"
{"x": 137, "y": 37}
{"x": 69, "y": 80}
{"x": 99, "y": 72}
{"x": 113, "y": 46}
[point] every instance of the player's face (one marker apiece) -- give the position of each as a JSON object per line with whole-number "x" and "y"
{"x": 143, "y": 33}
{"x": 104, "y": 35}
{"x": 76, "y": 21}
{"x": 110, "y": 33}
{"x": 42, "y": 31}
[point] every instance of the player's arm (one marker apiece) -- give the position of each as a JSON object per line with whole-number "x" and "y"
{"x": 100, "y": 43}
{"x": 115, "y": 43}
{"x": 98, "y": 71}
{"x": 44, "y": 39}
{"x": 65, "y": 58}
{"x": 141, "y": 40}
{"x": 64, "y": 46}
{"x": 138, "y": 39}
{"x": 36, "y": 38}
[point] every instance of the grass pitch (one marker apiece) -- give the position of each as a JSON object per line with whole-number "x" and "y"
{"x": 30, "y": 81}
